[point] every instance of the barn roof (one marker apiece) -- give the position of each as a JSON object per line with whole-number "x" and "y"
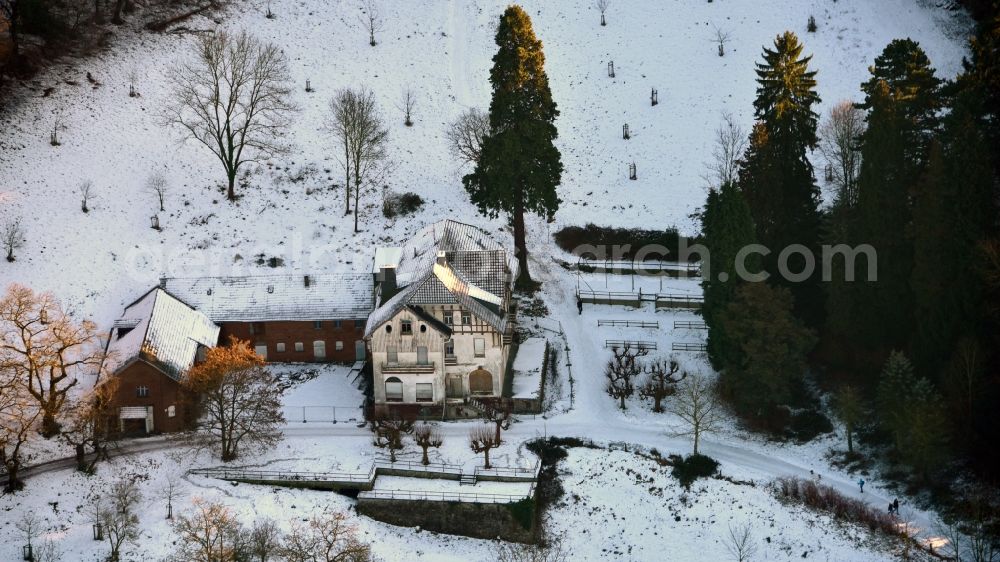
{"x": 161, "y": 330}
{"x": 287, "y": 297}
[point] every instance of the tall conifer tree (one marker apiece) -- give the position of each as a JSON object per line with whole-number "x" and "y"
{"x": 777, "y": 177}
{"x": 519, "y": 166}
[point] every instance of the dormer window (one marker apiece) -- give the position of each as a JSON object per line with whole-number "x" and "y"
{"x": 406, "y": 327}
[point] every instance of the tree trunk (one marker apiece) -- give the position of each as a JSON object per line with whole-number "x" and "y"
{"x": 231, "y": 193}
{"x": 498, "y": 432}
{"x": 486, "y": 453}
{"x": 98, "y": 17}
{"x": 697, "y": 435}
{"x": 622, "y": 403}
{"x": 117, "y": 17}
{"x": 81, "y": 460}
{"x": 50, "y": 427}
{"x": 657, "y": 407}
{"x": 850, "y": 440}
{"x": 521, "y": 247}
{"x": 347, "y": 180}
{"x": 426, "y": 461}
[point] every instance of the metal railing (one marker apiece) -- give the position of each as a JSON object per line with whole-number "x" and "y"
{"x": 629, "y": 323}
{"x": 679, "y": 298}
{"x": 284, "y": 475}
{"x": 688, "y": 325}
{"x": 632, "y": 344}
{"x": 463, "y": 497}
{"x": 683, "y": 346}
{"x": 527, "y": 474}
{"x": 414, "y": 466}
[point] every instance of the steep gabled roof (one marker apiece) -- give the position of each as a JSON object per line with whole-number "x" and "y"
{"x": 161, "y": 330}
{"x": 267, "y": 298}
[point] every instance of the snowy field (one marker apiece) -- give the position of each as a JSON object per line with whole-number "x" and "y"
{"x": 618, "y": 506}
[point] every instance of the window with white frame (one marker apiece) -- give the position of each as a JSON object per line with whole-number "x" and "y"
{"x": 171, "y": 411}
{"x": 406, "y": 327}
{"x": 479, "y": 347}
{"x": 449, "y": 318}
{"x": 319, "y": 349}
{"x": 299, "y": 346}
{"x": 393, "y": 390}
{"x": 339, "y": 346}
{"x": 142, "y": 392}
{"x": 466, "y": 317}
{"x": 279, "y": 347}
{"x": 425, "y": 392}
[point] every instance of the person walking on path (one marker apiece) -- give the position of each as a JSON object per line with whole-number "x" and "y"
{"x": 895, "y": 506}
{"x": 861, "y": 484}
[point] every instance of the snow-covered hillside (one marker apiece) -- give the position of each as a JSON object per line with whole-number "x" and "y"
{"x": 291, "y": 209}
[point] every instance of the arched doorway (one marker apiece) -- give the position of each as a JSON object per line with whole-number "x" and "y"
{"x": 480, "y": 382}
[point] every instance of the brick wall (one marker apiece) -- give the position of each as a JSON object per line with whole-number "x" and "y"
{"x": 163, "y": 392}
{"x": 275, "y": 334}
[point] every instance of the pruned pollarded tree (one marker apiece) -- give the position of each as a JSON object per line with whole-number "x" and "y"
{"x": 427, "y": 436}
{"x": 695, "y": 404}
{"x": 621, "y": 371}
{"x": 389, "y": 430}
{"x": 209, "y": 532}
{"x": 661, "y": 382}
{"x": 240, "y": 400}
{"x": 19, "y": 417}
{"x": 356, "y": 122}
{"x": 12, "y": 236}
{"x": 730, "y": 144}
{"x": 234, "y": 99}
{"x": 498, "y": 412}
{"x": 158, "y": 186}
{"x": 327, "y": 537}
{"x": 371, "y": 20}
{"x": 839, "y": 143}
{"x": 46, "y": 348}
{"x": 91, "y": 424}
{"x": 483, "y": 439}
{"x": 466, "y": 135}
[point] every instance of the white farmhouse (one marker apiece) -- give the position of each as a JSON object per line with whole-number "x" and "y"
{"x": 443, "y": 323}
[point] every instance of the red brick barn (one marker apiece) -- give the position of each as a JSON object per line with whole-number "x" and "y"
{"x": 156, "y": 340}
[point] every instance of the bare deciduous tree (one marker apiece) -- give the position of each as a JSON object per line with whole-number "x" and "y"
{"x": 19, "y": 415}
{"x": 389, "y": 431}
{"x": 169, "y": 491}
{"x": 602, "y": 6}
{"x": 158, "y": 186}
{"x": 498, "y": 412}
{"x": 47, "y": 348}
{"x": 427, "y": 436}
{"x": 371, "y": 20}
{"x": 30, "y": 524}
{"x": 119, "y": 520}
{"x": 407, "y": 103}
{"x": 483, "y": 439}
{"x": 240, "y": 400}
{"x": 328, "y": 537}
{"x": 466, "y": 134}
{"x": 730, "y": 144}
{"x": 697, "y": 407}
{"x": 12, "y": 236}
{"x": 621, "y": 371}
{"x": 357, "y": 124}
{"x": 86, "y": 194}
{"x": 839, "y": 144}
{"x": 47, "y": 551}
{"x": 263, "y": 540}
{"x": 720, "y": 39}
{"x": 551, "y": 551}
{"x": 740, "y": 542}
{"x": 663, "y": 376}
{"x": 209, "y": 532}
{"x": 90, "y": 424}
{"x": 234, "y": 99}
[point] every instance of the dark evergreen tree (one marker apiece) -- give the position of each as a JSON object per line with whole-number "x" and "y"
{"x": 981, "y": 78}
{"x": 882, "y": 308}
{"x": 907, "y": 73}
{"x": 727, "y": 227}
{"x": 776, "y": 176}
{"x": 771, "y": 349}
{"x": 953, "y": 214}
{"x": 519, "y": 166}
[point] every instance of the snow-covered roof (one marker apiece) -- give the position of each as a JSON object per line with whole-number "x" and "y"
{"x": 386, "y": 257}
{"x": 475, "y": 272}
{"x": 161, "y": 330}
{"x": 277, "y": 297}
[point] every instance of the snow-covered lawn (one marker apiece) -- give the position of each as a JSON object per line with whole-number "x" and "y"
{"x": 291, "y": 209}
{"x": 527, "y": 368}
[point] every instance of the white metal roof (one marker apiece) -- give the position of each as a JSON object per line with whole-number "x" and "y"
{"x": 277, "y": 297}
{"x": 166, "y": 333}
